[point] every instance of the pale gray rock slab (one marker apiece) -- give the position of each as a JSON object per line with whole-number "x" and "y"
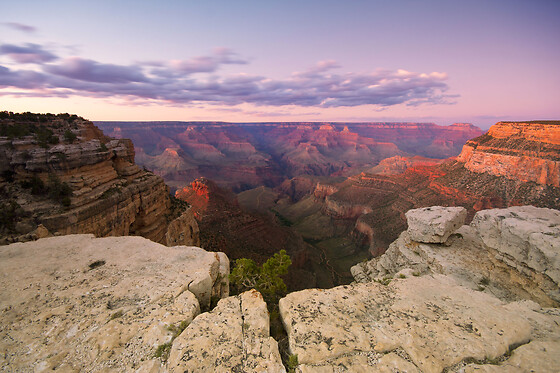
{"x": 434, "y": 224}
{"x": 488, "y": 255}
{"x": 528, "y": 234}
{"x": 536, "y": 356}
{"x": 60, "y": 311}
{"x": 431, "y": 322}
{"x": 233, "y": 337}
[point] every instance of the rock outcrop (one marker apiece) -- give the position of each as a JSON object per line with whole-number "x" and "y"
{"x": 529, "y": 152}
{"x": 424, "y": 324}
{"x": 526, "y": 237}
{"x": 512, "y": 253}
{"x": 434, "y": 224}
{"x": 234, "y": 337}
{"x": 78, "y": 303}
{"x": 69, "y": 177}
{"x": 462, "y": 306}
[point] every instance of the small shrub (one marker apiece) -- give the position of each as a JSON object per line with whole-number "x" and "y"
{"x": 292, "y": 363}
{"x": 176, "y": 330}
{"x": 69, "y": 136}
{"x": 415, "y": 274}
{"x": 36, "y": 185}
{"x": 402, "y": 276}
{"x": 102, "y": 148}
{"x": 59, "y": 191}
{"x": 163, "y": 350}
{"x": 61, "y": 156}
{"x": 484, "y": 281}
{"x": 265, "y": 279}
{"x": 384, "y": 281}
{"x": 116, "y": 315}
{"x": 9, "y": 214}
{"x": 8, "y": 175}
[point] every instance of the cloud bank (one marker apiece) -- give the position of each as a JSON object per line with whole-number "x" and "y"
{"x": 42, "y": 73}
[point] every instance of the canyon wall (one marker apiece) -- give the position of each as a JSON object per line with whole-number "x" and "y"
{"x": 246, "y": 155}
{"x": 513, "y": 164}
{"x": 67, "y": 177}
{"x": 529, "y": 152}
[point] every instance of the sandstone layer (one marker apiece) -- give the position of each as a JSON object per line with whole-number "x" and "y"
{"x": 78, "y": 303}
{"x": 526, "y": 151}
{"x": 80, "y": 181}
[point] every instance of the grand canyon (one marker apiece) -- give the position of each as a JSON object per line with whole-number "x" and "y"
{"x": 280, "y": 187}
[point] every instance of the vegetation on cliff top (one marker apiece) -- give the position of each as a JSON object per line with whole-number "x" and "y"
{"x": 38, "y": 117}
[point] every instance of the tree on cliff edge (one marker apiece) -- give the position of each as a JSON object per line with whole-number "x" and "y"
{"x": 266, "y": 278}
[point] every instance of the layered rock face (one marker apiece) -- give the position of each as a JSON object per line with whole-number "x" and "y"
{"x": 467, "y": 305}
{"x": 246, "y": 155}
{"x": 78, "y": 303}
{"x": 529, "y": 152}
{"x": 80, "y": 181}
{"x": 513, "y": 164}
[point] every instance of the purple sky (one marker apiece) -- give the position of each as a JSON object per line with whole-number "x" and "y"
{"x": 442, "y": 61}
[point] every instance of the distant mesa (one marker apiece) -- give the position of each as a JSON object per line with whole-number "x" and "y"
{"x": 247, "y": 155}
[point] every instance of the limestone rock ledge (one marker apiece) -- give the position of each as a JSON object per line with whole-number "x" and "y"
{"x": 513, "y": 253}
{"x": 78, "y": 303}
{"x": 485, "y": 300}
{"x": 417, "y": 324}
{"x": 234, "y": 337}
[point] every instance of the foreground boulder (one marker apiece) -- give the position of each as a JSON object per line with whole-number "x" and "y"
{"x": 234, "y": 337}
{"x": 486, "y": 301}
{"x": 417, "y": 324}
{"x": 79, "y": 303}
{"x": 525, "y": 236}
{"x": 513, "y": 253}
{"x": 434, "y": 224}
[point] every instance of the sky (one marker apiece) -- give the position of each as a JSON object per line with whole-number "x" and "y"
{"x": 476, "y": 61}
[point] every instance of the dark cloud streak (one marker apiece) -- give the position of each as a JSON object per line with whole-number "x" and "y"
{"x": 21, "y": 27}
{"x": 29, "y": 53}
{"x": 175, "y": 82}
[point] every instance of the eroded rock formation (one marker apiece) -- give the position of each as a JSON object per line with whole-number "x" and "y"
{"x": 79, "y": 181}
{"x": 248, "y": 155}
{"x": 234, "y": 337}
{"x": 433, "y": 307}
{"x": 513, "y": 164}
{"x": 78, "y": 303}
{"x": 529, "y": 152}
